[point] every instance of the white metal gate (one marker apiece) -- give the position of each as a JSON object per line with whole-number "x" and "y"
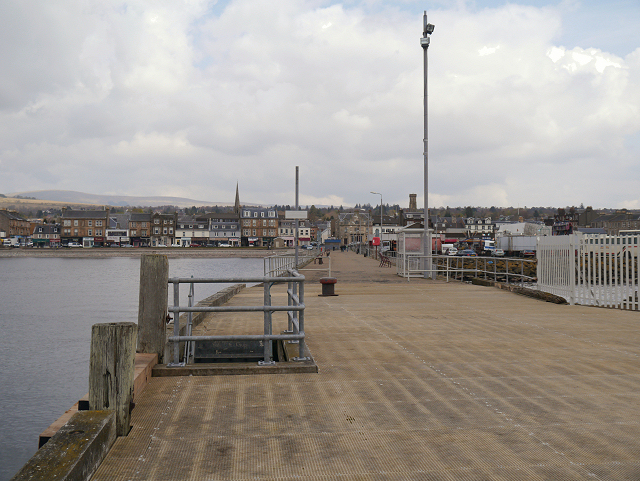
{"x": 590, "y": 269}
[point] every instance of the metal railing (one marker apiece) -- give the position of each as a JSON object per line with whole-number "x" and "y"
{"x": 458, "y": 267}
{"x": 591, "y": 269}
{"x": 294, "y": 309}
{"x": 281, "y": 264}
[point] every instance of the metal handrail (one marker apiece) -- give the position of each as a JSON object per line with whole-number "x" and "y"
{"x": 280, "y": 264}
{"x": 294, "y": 309}
{"x": 449, "y": 271}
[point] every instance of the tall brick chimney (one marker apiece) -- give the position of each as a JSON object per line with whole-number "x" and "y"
{"x": 413, "y": 206}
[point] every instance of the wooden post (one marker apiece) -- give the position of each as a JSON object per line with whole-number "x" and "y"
{"x": 113, "y": 357}
{"x": 152, "y": 307}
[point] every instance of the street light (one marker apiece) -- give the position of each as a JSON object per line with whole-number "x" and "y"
{"x": 427, "y": 29}
{"x": 378, "y": 193}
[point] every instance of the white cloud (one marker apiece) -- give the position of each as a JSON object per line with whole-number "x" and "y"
{"x": 170, "y": 96}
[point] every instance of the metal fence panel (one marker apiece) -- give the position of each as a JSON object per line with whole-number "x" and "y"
{"x": 590, "y": 269}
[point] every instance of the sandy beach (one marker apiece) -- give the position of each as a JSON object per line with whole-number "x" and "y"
{"x": 195, "y": 252}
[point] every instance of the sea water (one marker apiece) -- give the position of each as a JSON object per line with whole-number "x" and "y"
{"x": 47, "y": 308}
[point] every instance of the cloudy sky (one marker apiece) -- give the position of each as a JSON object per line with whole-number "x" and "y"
{"x": 531, "y": 103}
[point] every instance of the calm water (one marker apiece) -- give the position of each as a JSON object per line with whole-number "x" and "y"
{"x": 47, "y": 307}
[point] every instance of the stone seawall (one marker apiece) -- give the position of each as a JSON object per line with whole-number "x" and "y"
{"x": 543, "y": 296}
{"x": 493, "y": 265}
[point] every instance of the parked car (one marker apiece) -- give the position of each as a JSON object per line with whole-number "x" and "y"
{"x": 74, "y": 244}
{"x": 498, "y": 253}
{"x": 224, "y": 244}
{"x": 528, "y": 253}
{"x": 452, "y": 252}
{"x": 468, "y": 253}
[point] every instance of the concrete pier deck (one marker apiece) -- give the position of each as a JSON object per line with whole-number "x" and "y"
{"x": 419, "y": 380}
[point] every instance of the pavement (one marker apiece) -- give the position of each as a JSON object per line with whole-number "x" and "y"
{"x": 420, "y": 380}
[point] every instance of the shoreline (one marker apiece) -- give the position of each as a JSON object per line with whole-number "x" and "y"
{"x": 170, "y": 252}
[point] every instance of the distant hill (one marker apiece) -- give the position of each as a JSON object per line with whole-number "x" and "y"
{"x": 73, "y": 197}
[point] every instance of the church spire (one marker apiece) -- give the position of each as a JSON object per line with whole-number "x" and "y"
{"x": 236, "y": 208}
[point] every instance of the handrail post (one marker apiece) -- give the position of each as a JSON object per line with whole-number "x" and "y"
{"x": 268, "y": 361}
{"x": 302, "y": 343}
{"x": 289, "y": 303}
{"x": 176, "y": 324}
{"x": 507, "y": 270}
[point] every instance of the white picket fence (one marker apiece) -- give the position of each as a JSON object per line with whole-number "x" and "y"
{"x": 590, "y": 269}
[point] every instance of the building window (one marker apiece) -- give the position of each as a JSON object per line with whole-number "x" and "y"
{"x": 134, "y": 232}
{"x": 67, "y": 222}
{"x": 156, "y": 221}
{"x": 171, "y": 230}
{"x": 89, "y": 232}
{"x": 164, "y": 231}
{"x": 90, "y": 223}
{"x": 98, "y": 223}
{"x": 156, "y": 230}
{"x": 75, "y": 223}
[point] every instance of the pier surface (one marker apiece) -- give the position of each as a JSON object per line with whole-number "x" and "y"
{"x": 417, "y": 380}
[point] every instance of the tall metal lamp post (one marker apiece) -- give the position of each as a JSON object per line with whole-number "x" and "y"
{"x": 427, "y": 30}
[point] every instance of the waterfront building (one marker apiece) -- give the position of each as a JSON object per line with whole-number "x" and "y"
{"x": 224, "y": 228}
{"x": 614, "y": 223}
{"x": 163, "y": 229}
{"x": 287, "y": 231}
{"x": 192, "y": 230}
{"x": 353, "y": 228}
{"x": 389, "y": 228}
{"x": 478, "y": 227}
{"x": 452, "y": 228}
{"x": 259, "y": 226}
{"x": 118, "y": 231}
{"x": 140, "y": 229}
{"x": 46, "y": 235}
{"x": 86, "y": 227}
{"x": 13, "y": 225}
